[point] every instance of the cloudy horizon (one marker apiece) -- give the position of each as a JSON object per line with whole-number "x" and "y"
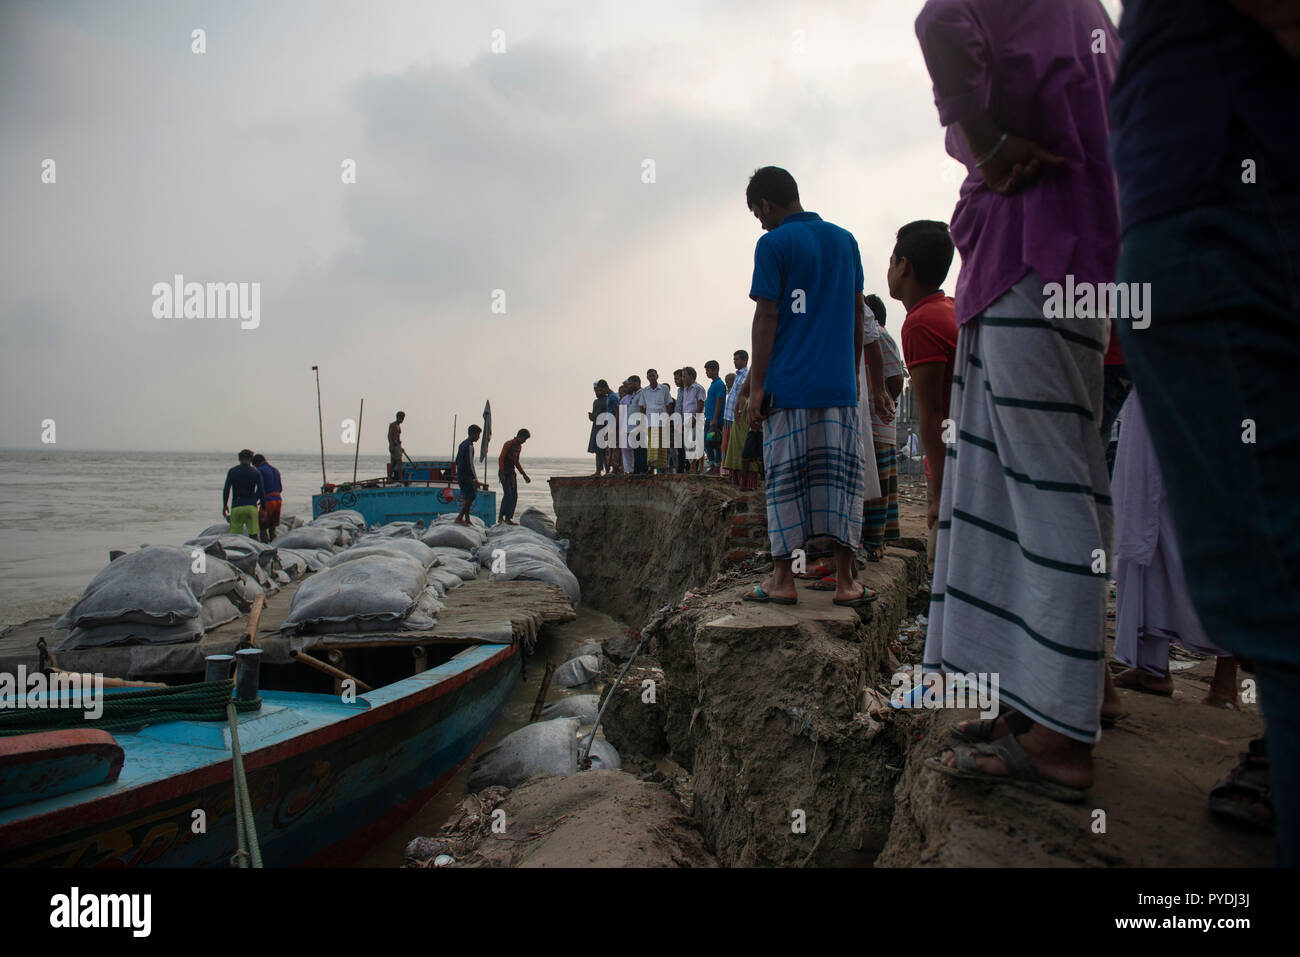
{"x": 501, "y": 157}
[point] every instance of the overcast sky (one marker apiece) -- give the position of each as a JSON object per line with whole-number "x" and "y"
{"x": 476, "y": 171}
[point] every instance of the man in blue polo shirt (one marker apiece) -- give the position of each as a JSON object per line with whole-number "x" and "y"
{"x": 809, "y": 322}
{"x": 714, "y": 401}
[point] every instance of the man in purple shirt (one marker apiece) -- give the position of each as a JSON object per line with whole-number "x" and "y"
{"x": 1025, "y": 516}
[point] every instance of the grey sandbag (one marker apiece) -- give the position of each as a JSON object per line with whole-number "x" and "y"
{"x": 474, "y": 520}
{"x": 586, "y": 648}
{"x": 373, "y": 593}
{"x": 349, "y": 517}
{"x": 446, "y": 551}
{"x": 584, "y": 707}
{"x": 531, "y": 569}
{"x": 487, "y": 556}
{"x": 387, "y": 546}
{"x": 156, "y": 585}
{"x": 577, "y": 672}
{"x": 538, "y": 521}
{"x": 310, "y": 538}
{"x": 214, "y": 531}
{"x": 312, "y": 558}
{"x": 452, "y": 536}
{"x": 445, "y": 577}
{"x": 131, "y": 633}
{"x": 517, "y": 534}
{"x": 466, "y": 570}
{"x": 243, "y": 552}
{"x": 399, "y": 530}
{"x": 546, "y": 747}
{"x": 604, "y": 756}
{"x": 292, "y": 564}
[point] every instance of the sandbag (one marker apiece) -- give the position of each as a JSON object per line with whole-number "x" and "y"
{"x": 349, "y": 517}
{"x": 577, "y": 672}
{"x": 155, "y": 585}
{"x": 373, "y": 593}
{"x": 214, "y": 531}
{"x": 311, "y": 537}
{"x": 243, "y": 552}
{"x": 453, "y": 536}
{"x": 516, "y": 534}
{"x": 474, "y": 520}
{"x": 392, "y": 546}
{"x": 584, "y": 707}
{"x": 532, "y": 569}
{"x": 313, "y": 559}
{"x": 445, "y": 577}
{"x": 131, "y": 633}
{"x": 292, "y": 564}
{"x": 586, "y": 648}
{"x": 518, "y": 550}
{"x": 545, "y": 747}
{"x": 397, "y": 530}
{"x": 445, "y": 551}
{"x": 539, "y": 521}
{"x": 467, "y": 571}
{"x": 604, "y": 756}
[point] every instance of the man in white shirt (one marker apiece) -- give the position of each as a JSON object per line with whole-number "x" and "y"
{"x": 654, "y": 401}
{"x": 690, "y": 403}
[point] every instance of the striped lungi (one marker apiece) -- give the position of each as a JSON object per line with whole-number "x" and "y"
{"x": 880, "y": 524}
{"x": 1025, "y": 508}
{"x": 813, "y": 462}
{"x": 657, "y": 449}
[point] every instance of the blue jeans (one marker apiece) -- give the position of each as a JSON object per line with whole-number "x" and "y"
{"x": 1216, "y": 371}
{"x": 509, "y": 495}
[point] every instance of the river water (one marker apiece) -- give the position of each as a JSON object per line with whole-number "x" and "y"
{"x": 62, "y": 512}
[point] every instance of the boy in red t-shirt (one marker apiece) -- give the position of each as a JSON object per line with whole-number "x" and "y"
{"x": 918, "y": 266}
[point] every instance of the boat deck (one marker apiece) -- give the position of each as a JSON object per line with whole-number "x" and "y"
{"x": 479, "y": 612}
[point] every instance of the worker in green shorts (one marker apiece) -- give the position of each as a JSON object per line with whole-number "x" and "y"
{"x": 244, "y": 490}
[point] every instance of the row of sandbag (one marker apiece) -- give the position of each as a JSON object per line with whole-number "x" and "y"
{"x": 386, "y": 580}
{"x": 162, "y": 595}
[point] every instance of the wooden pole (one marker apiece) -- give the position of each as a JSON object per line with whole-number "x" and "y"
{"x": 454, "y": 420}
{"x": 254, "y": 620}
{"x": 357, "y": 454}
{"x": 541, "y": 692}
{"x": 330, "y": 670}
{"x": 320, "y": 417}
{"x": 109, "y": 682}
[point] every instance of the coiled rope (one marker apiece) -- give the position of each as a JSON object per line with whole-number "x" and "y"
{"x": 126, "y": 712}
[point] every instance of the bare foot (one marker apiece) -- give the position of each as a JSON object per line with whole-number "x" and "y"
{"x": 1223, "y": 686}
{"x": 773, "y": 591}
{"x": 1055, "y": 757}
{"x": 1139, "y": 680}
{"x": 1111, "y": 706}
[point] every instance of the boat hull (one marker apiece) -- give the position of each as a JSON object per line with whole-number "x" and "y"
{"x": 319, "y": 797}
{"x": 405, "y": 503}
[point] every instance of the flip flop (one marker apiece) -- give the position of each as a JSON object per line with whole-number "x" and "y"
{"x": 866, "y": 598}
{"x": 1020, "y": 769}
{"x": 982, "y": 730}
{"x": 817, "y": 571}
{"x": 762, "y": 597}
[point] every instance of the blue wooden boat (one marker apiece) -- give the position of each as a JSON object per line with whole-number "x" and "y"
{"x": 425, "y": 491}
{"x": 327, "y": 778}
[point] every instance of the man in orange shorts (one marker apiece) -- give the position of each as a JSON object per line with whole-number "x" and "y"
{"x": 268, "y": 516}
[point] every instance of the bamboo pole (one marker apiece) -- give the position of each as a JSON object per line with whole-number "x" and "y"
{"x": 254, "y": 620}
{"x": 320, "y": 417}
{"x": 109, "y": 682}
{"x": 541, "y": 692}
{"x": 330, "y": 670}
{"x": 357, "y": 454}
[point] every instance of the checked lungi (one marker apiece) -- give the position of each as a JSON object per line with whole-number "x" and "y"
{"x": 813, "y": 462}
{"x": 1025, "y": 508}
{"x": 881, "y": 522}
{"x": 657, "y": 447}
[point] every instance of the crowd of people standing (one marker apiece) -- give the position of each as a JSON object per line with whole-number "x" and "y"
{"x": 1016, "y": 395}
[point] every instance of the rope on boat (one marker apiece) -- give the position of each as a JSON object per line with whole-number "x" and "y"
{"x": 126, "y": 712}
{"x": 249, "y": 852}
